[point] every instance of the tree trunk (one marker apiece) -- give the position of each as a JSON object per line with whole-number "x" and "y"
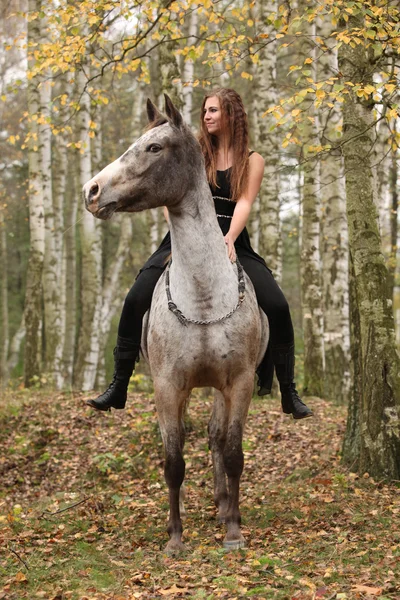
{"x": 394, "y": 201}
{"x": 70, "y": 270}
{"x": 188, "y": 71}
{"x": 381, "y": 162}
{"x": 311, "y": 284}
{"x": 61, "y": 203}
{"x": 33, "y": 296}
{"x": 111, "y": 297}
{"x": 265, "y": 95}
{"x": 352, "y": 438}
{"x": 53, "y": 340}
{"x": 334, "y": 246}
{"x": 4, "y": 336}
{"x": 379, "y": 452}
{"x": 90, "y": 238}
{"x": 15, "y": 346}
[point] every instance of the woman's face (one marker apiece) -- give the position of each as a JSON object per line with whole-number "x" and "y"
{"x": 213, "y": 116}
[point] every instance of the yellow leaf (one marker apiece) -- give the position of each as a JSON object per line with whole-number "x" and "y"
{"x": 390, "y": 87}
{"x": 370, "y": 89}
{"x": 392, "y": 113}
{"x": 320, "y": 94}
{"x": 366, "y": 589}
{"x": 296, "y": 112}
{"x": 173, "y": 591}
{"x": 308, "y": 61}
{"x": 246, "y": 75}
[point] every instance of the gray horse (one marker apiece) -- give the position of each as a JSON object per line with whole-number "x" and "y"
{"x": 201, "y": 331}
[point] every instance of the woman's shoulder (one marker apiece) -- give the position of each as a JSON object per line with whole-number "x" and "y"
{"x": 256, "y": 159}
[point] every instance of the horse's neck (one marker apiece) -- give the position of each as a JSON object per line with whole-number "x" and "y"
{"x": 200, "y": 262}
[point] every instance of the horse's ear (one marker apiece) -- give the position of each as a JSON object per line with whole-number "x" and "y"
{"x": 172, "y": 112}
{"x": 152, "y": 111}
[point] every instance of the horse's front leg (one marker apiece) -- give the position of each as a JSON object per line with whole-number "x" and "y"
{"x": 217, "y": 437}
{"x": 170, "y": 405}
{"x": 238, "y": 401}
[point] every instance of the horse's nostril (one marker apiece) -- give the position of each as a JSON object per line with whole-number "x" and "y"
{"x": 93, "y": 192}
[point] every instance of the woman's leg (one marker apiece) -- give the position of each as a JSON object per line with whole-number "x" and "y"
{"x": 273, "y": 302}
{"x": 126, "y": 352}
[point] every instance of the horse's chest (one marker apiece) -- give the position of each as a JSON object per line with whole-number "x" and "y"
{"x": 202, "y": 355}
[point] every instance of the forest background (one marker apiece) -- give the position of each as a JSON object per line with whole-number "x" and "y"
{"x": 82, "y": 512}
{"x": 320, "y": 83}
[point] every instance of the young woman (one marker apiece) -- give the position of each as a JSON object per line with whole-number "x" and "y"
{"x": 235, "y": 176}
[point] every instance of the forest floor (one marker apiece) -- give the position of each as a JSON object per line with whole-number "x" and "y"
{"x": 83, "y": 508}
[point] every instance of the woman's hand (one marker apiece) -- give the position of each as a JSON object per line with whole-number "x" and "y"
{"x": 230, "y": 245}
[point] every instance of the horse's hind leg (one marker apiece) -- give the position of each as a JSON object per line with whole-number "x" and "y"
{"x": 170, "y": 404}
{"x": 217, "y": 428}
{"x": 238, "y": 401}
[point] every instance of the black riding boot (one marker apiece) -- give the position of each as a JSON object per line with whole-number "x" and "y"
{"x": 126, "y": 353}
{"x": 283, "y": 357}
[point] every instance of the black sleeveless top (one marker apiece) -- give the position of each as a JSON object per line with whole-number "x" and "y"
{"x": 224, "y": 207}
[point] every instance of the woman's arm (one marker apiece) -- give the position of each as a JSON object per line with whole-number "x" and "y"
{"x": 165, "y": 209}
{"x": 245, "y": 202}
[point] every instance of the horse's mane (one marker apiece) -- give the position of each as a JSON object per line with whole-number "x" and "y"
{"x": 160, "y": 120}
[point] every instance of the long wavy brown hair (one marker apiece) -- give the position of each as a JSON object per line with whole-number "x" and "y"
{"x": 234, "y": 121}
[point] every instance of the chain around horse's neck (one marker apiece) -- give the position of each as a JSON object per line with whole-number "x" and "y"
{"x": 185, "y": 320}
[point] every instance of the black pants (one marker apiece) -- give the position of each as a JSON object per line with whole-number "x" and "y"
{"x": 269, "y": 296}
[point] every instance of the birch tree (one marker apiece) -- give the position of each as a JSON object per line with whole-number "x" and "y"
{"x": 265, "y": 95}
{"x": 52, "y": 257}
{"x": 310, "y": 249}
{"x": 90, "y": 239}
{"x": 188, "y": 71}
{"x": 4, "y": 301}
{"x": 69, "y": 266}
{"x": 33, "y": 297}
{"x": 60, "y": 204}
{"x": 378, "y": 389}
{"x": 334, "y": 246}
{"x": 394, "y": 209}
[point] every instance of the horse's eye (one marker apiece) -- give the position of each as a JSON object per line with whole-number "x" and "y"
{"x": 153, "y": 148}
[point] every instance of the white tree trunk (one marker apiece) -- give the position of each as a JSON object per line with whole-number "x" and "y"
{"x": 70, "y": 269}
{"x": 52, "y": 283}
{"x": 113, "y": 291}
{"x": 310, "y": 254}
{"x": 15, "y": 346}
{"x": 188, "y": 71}
{"x": 268, "y": 145}
{"x": 334, "y": 246}
{"x": 60, "y": 202}
{"x": 33, "y": 296}
{"x": 4, "y": 336}
{"x": 90, "y": 235}
{"x": 381, "y": 165}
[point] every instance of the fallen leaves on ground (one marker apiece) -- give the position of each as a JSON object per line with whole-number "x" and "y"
{"x": 84, "y": 506}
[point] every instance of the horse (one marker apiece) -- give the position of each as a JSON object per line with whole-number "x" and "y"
{"x": 204, "y": 328}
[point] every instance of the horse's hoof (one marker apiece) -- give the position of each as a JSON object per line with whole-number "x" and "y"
{"x": 234, "y": 544}
{"x": 174, "y": 547}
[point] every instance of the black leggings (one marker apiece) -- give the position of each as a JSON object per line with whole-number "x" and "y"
{"x": 269, "y": 296}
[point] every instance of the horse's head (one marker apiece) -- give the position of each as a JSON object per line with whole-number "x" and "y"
{"x": 157, "y": 170}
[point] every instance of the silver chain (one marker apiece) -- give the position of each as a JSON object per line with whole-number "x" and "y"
{"x": 222, "y": 198}
{"x": 185, "y": 320}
